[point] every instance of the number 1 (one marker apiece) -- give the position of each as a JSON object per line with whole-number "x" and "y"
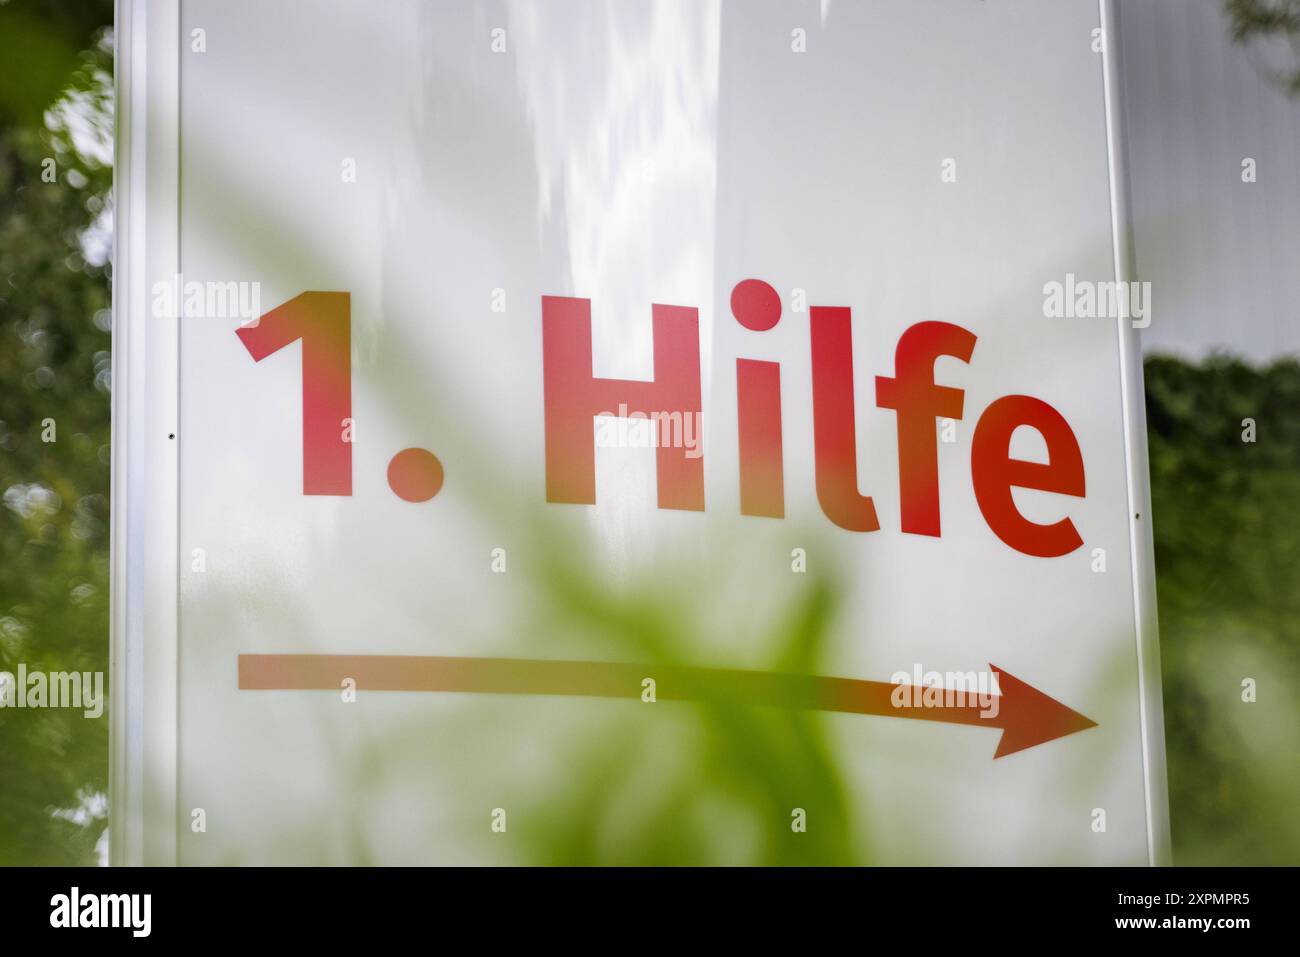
{"x": 323, "y": 321}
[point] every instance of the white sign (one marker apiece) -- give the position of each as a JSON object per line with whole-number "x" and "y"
{"x": 629, "y": 432}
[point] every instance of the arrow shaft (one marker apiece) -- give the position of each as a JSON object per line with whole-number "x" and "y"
{"x": 598, "y": 679}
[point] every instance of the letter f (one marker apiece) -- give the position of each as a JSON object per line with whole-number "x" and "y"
{"x": 919, "y": 402}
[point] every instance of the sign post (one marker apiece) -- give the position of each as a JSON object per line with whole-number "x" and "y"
{"x": 529, "y": 418}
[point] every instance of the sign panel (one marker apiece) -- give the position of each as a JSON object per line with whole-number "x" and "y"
{"x": 630, "y": 433}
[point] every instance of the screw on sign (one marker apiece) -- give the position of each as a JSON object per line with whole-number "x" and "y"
{"x": 573, "y": 396}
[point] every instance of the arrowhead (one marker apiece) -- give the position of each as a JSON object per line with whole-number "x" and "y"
{"x": 1029, "y": 717}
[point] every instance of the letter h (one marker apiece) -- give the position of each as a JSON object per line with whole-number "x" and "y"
{"x": 573, "y": 397}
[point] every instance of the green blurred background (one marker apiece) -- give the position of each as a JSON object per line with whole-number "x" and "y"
{"x": 1226, "y": 520}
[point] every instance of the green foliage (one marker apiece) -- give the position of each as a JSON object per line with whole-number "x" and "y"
{"x": 1227, "y": 533}
{"x": 731, "y": 762}
{"x": 54, "y": 370}
{"x": 1273, "y": 22}
{"x": 40, "y": 45}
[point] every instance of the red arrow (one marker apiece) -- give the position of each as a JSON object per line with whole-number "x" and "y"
{"x": 1026, "y": 716}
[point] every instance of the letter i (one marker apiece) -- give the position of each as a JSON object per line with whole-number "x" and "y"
{"x": 757, "y": 306}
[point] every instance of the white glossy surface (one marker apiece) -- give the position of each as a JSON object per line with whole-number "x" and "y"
{"x": 636, "y": 153}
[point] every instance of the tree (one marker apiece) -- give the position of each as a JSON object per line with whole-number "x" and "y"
{"x": 55, "y": 236}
